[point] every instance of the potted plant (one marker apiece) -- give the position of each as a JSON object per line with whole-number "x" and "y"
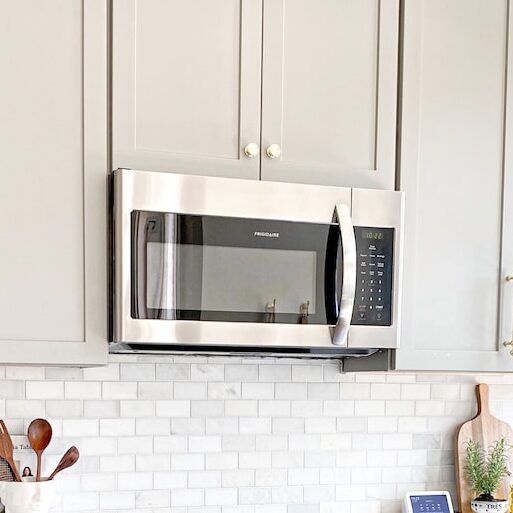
{"x": 485, "y": 471}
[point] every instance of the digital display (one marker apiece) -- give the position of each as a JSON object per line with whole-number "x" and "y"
{"x": 373, "y": 235}
{"x": 429, "y": 504}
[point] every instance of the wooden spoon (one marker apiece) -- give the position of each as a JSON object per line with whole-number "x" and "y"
{"x": 39, "y": 435}
{"x": 70, "y": 458}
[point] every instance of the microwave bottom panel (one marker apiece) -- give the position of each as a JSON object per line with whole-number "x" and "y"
{"x": 257, "y": 351}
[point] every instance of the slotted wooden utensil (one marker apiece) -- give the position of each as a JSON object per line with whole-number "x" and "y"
{"x": 6, "y": 450}
{"x": 70, "y": 458}
{"x": 485, "y": 429}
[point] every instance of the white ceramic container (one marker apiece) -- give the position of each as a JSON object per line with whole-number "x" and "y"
{"x": 28, "y": 496}
{"x": 489, "y": 506}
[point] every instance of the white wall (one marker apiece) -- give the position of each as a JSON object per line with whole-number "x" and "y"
{"x": 232, "y": 435}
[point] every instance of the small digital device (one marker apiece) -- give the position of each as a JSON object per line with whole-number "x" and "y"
{"x": 427, "y": 502}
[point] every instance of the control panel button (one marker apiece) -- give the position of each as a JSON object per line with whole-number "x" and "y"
{"x": 374, "y": 267}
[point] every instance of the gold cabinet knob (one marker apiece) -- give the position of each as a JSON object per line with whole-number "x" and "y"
{"x": 273, "y": 151}
{"x": 251, "y": 150}
{"x": 509, "y": 344}
{"x": 509, "y": 277}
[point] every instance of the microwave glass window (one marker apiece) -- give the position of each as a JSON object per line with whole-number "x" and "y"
{"x": 191, "y": 267}
{"x": 231, "y": 279}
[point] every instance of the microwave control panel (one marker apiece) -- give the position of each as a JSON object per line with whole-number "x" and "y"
{"x": 374, "y": 266}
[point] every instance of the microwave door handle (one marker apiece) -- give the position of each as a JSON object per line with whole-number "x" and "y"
{"x": 343, "y": 216}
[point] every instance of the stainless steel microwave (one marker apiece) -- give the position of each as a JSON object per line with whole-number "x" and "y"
{"x": 210, "y": 264}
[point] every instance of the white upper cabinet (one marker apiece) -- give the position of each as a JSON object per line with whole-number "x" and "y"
{"x": 53, "y": 57}
{"x": 329, "y": 91}
{"x": 456, "y": 169}
{"x": 191, "y": 91}
{"x": 186, "y": 86}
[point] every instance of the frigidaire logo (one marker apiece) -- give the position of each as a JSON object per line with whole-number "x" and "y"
{"x": 273, "y": 235}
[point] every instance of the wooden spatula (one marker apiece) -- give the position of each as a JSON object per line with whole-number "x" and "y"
{"x": 70, "y": 458}
{"x": 485, "y": 429}
{"x": 6, "y": 450}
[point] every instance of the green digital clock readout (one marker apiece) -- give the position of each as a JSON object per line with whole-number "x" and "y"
{"x": 372, "y": 235}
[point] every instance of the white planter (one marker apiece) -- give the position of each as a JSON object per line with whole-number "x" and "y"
{"x": 28, "y": 496}
{"x": 489, "y": 506}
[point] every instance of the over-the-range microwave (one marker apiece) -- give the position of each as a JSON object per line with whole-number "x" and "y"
{"x": 209, "y": 265}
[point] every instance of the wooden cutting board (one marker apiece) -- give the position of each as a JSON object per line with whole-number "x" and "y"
{"x": 486, "y": 429}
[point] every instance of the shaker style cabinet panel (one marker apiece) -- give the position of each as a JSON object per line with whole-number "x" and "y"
{"x": 186, "y": 86}
{"x": 329, "y": 92}
{"x": 307, "y": 89}
{"x": 53, "y": 182}
{"x": 457, "y": 173}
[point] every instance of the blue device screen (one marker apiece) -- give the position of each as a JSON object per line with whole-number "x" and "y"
{"x": 429, "y": 504}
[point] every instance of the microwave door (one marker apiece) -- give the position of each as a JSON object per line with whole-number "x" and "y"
{"x": 212, "y": 268}
{"x": 345, "y": 310}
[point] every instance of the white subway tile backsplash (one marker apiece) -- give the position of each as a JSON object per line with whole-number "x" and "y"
{"x": 320, "y": 425}
{"x": 204, "y": 479}
{"x": 101, "y": 409}
{"x": 12, "y": 390}
{"x": 189, "y": 434}
{"x": 158, "y": 390}
{"x": 416, "y": 391}
{"x": 254, "y": 460}
{"x": 255, "y": 495}
{"x": 187, "y": 498}
{"x": 44, "y": 390}
{"x": 224, "y": 390}
{"x": 133, "y": 409}
{"x": 369, "y": 408}
{"x": 179, "y": 408}
{"x": 23, "y": 409}
{"x": 117, "y": 427}
{"x": 323, "y": 391}
{"x": 187, "y": 461}
{"x": 207, "y": 408}
{"x": 288, "y": 425}
{"x": 135, "y": 445}
{"x": 119, "y": 390}
{"x": 221, "y": 425}
{"x": 258, "y": 390}
{"x": 187, "y": 426}
{"x": 353, "y": 391}
{"x": 64, "y": 409}
{"x": 137, "y": 372}
{"x": 221, "y": 496}
{"x": 291, "y": 391}
{"x": 270, "y": 408}
{"x": 117, "y": 464}
{"x": 308, "y": 373}
{"x": 170, "y": 480}
{"x": 238, "y": 478}
{"x": 152, "y": 462}
{"x": 241, "y": 408}
{"x": 190, "y": 390}
{"x": 241, "y": 373}
{"x": 172, "y": 371}
{"x": 255, "y": 425}
{"x": 274, "y": 372}
{"x": 24, "y": 373}
{"x": 117, "y": 500}
{"x": 207, "y": 372}
{"x": 152, "y": 426}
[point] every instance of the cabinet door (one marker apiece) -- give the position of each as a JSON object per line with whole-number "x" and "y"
{"x": 329, "y": 91}
{"x": 53, "y": 181}
{"x": 456, "y": 171}
{"x": 186, "y": 85}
